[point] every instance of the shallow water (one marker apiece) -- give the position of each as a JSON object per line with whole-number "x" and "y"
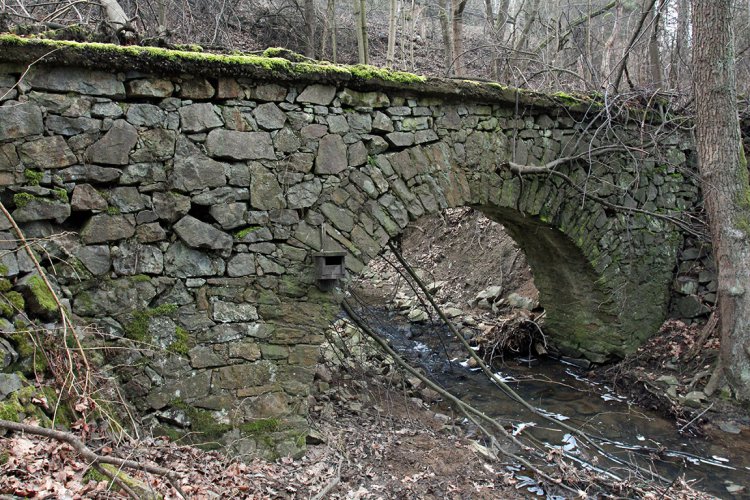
{"x": 563, "y": 391}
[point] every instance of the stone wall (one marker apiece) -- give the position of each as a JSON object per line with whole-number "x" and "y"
{"x": 186, "y": 210}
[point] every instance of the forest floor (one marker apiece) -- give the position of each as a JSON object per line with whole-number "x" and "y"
{"x": 376, "y": 435}
{"x": 375, "y": 443}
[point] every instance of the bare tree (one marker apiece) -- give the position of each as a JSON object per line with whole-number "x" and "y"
{"x": 457, "y": 33}
{"x": 724, "y": 180}
{"x": 310, "y": 22}
{"x": 391, "y": 51}
{"x": 329, "y": 26}
{"x": 361, "y": 22}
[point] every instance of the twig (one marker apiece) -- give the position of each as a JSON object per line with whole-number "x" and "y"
{"x": 65, "y": 319}
{"x": 330, "y": 486}
{"x": 548, "y": 168}
{"x": 90, "y": 455}
{"x": 465, "y": 407}
{"x": 695, "y": 418}
{"x": 506, "y": 388}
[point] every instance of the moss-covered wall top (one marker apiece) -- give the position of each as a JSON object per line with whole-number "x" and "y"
{"x": 274, "y": 65}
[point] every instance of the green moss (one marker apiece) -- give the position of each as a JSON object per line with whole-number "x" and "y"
{"x": 244, "y": 232}
{"x": 94, "y": 475}
{"x": 33, "y": 177}
{"x": 3, "y": 270}
{"x": 163, "y": 310}
{"x": 202, "y": 422}
{"x": 567, "y": 99}
{"x": 4, "y": 457}
{"x": 180, "y": 345}
{"x": 19, "y": 405}
{"x": 141, "y": 489}
{"x": 5, "y": 285}
{"x": 11, "y": 410}
{"x": 140, "y": 278}
{"x": 113, "y": 210}
{"x": 261, "y": 426}
{"x": 137, "y": 329}
{"x": 368, "y": 72}
{"x": 301, "y": 440}
{"x": 20, "y": 200}
{"x": 61, "y": 194}
{"x": 11, "y": 303}
{"x": 42, "y": 294}
{"x": 31, "y": 359}
{"x": 191, "y": 47}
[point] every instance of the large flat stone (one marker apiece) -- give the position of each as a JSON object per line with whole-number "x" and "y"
{"x": 235, "y": 145}
{"x": 317, "y": 94}
{"x": 181, "y": 261}
{"x": 79, "y": 80}
{"x": 20, "y": 120}
{"x": 198, "y": 234}
{"x": 199, "y": 117}
{"x": 104, "y": 227}
{"x": 194, "y": 171}
{"x": 114, "y": 148}
{"x": 331, "y": 158}
{"x": 47, "y": 152}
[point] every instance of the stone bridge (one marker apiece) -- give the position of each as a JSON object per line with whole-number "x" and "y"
{"x": 188, "y": 193}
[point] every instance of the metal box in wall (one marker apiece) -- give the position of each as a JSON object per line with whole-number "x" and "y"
{"x": 329, "y": 266}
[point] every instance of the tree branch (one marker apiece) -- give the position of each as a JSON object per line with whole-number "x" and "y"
{"x": 549, "y": 169}
{"x": 90, "y": 455}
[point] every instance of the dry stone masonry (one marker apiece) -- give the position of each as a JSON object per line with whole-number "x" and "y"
{"x": 185, "y": 196}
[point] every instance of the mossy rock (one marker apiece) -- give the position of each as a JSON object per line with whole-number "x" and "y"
{"x": 24, "y": 404}
{"x": 31, "y": 359}
{"x": 40, "y": 302}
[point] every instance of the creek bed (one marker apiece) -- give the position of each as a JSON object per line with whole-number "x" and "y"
{"x": 563, "y": 391}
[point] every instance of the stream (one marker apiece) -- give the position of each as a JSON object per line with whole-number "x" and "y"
{"x": 721, "y": 468}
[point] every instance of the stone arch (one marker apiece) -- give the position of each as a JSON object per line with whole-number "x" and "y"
{"x": 603, "y": 289}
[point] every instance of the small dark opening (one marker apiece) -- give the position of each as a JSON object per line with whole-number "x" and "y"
{"x": 335, "y": 260}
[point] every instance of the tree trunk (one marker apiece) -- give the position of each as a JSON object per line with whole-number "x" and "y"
{"x": 605, "y": 71}
{"x": 457, "y": 31}
{"x": 680, "y": 51}
{"x": 390, "y": 55}
{"x": 447, "y": 38}
{"x": 310, "y": 28}
{"x": 360, "y": 18}
{"x": 115, "y": 15}
{"x": 724, "y": 181}
{"x": 633, "y": 39}
{"x": 654, "y": 56}
{"x": 501, "y": 25}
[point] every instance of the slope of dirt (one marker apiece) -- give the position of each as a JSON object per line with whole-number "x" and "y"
{"x": 462, "y": 250}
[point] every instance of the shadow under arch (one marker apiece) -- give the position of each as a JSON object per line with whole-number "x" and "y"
{"x": 581, "y": 316}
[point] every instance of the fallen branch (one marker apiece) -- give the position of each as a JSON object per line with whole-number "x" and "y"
{"x": 90, "y": 455}
{"x": 465, "y": 407}
{"x": 115, "y": 479}
{"x": 330, "y": 486}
